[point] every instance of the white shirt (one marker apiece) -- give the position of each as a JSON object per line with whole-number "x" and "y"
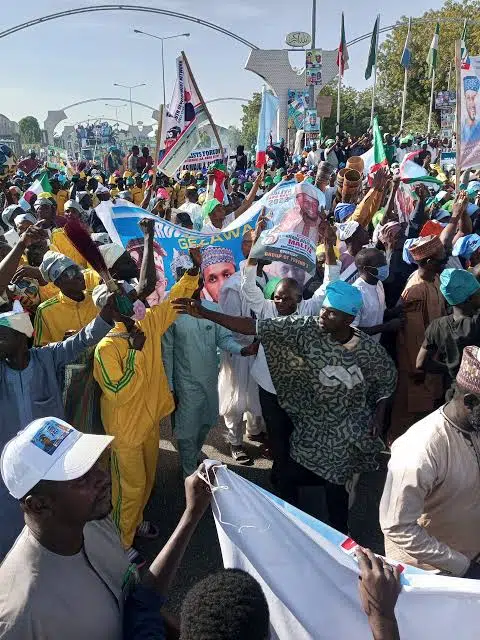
{"x": 208, "y": 227}
{"x": 371, "y": 314}
{"x": 400, "y": 154}
{"x": 263, "y": 309}
{"x": 195, "y": 212}
{"x": 313, "y": 157}
{"x": 329, "y": 194}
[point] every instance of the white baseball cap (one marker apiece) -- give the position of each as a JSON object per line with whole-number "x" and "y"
{"x": 48, "y": 449}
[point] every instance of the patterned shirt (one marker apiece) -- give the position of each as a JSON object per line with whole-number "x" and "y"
{"x": 330, "y": 391}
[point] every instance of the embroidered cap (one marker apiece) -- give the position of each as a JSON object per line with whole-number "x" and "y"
{"x": 468, "y": 376}
{"x": 48, "y": 449}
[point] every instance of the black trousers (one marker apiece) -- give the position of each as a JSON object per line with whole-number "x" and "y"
{"x": 336, "y": 495}
{"x": 279, "y": 429}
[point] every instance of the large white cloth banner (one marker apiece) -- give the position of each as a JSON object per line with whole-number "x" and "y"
{"x": 311, "y": 583}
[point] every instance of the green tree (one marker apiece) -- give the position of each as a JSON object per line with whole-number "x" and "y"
{"x": 234, "y": 137}
{"x": 249, "y": 121}
{"x": 391, "y": 74}
{"x": 29, "y": 129}
{"x": 205, "y": 140}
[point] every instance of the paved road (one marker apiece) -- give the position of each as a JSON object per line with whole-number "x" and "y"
{"x": 203, "y": 555}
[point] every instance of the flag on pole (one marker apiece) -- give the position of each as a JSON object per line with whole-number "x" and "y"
{"x": 464, "y": 41}
{"x": 268, "y": 112}
{"x": 375, "y": 157}
{"x": 184, "y": 114}
{"x": 41, "y": 185}
{"x": 342, "y": 55}
{"x": 432, "y": 54}
{"x": 406, "y": 60}
{"x": 372, "y": 55}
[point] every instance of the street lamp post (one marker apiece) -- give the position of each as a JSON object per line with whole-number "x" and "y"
{"x": 116, "y": 107}
{"x": 162, "y": 38}
{"x": 130, "y": 87}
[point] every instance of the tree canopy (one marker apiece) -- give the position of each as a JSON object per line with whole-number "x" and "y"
{"x": 29, "y": 129}
{"x": 249, "y": 121}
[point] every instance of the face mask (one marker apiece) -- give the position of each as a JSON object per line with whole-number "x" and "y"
{"x": 382, "y": 272}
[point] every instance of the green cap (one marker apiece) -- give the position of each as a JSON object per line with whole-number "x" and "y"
{"x": 209, "y": 206}
{"x": 270, "y": 287}
{"x": 268, "y": 180}
{"x": 277, "y": 179}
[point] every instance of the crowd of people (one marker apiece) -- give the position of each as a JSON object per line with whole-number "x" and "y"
{"x": 373, "y": 358}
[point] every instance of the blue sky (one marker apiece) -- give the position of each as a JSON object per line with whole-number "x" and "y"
{"x": 71, "y": 59}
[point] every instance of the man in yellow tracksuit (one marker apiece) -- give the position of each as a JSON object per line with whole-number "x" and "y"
{"x": 72, "y": 308}
{"x": 135, "y": 397}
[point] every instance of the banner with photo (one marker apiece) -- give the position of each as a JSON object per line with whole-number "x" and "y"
{"x": 469, "y": 126}
{"x": 312, "y": 121}
{"x": 185, "y": 113}
{"x": 203, "y": 158}
{"x": 293, "y": 212}
{"x": 313, "y": 67}
{"x": 297, "y": 102}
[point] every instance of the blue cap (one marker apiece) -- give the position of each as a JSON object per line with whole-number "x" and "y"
{"x": 406, "y": 253}
{"x": 466, "y": 245}
{"x": 343, "y": 297}
{"x": 457, "y": 285}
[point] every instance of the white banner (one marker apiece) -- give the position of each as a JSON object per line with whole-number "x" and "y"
{"x": 311, "y": 584}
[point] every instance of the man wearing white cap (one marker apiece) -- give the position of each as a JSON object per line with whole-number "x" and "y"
{"x": 30, "y": 388}
{"x": 65, "y": 575}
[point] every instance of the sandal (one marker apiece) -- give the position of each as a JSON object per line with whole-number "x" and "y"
{"x": 147, "y": 530}
{"x": 240, "y": 456}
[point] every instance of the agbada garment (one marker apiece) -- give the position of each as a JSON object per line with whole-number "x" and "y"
{"x": 423, "y": 303}
{"x": 191, "y": 364}
{"x": 330, "y": 391}
{"x": 135, "y": 397}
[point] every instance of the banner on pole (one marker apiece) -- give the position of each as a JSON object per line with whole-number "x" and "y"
{"x": 297, "y": 102}
{"x": 469, "y": 127}
{"x": 185, "y": 113}
{"x": 203, "y": 158}
{"x": 312, "y": 121}
{"x": 313, "y": 67}
{"x": 445, "y": 99}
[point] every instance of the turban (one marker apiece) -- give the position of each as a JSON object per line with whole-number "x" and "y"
{"x": 54, "y": 264}
{"x": 101, "y": 189}
{"x": 345, "y": 230}
{"x": 471, "y": 83}
{"x": 406, "y": 251}
{"x": 111, "y": 252}
{"x": 467, "y": 245}
{"x": 390, "y": 232}
{"x": 457, "y": 285}
{"x": 209, "y": 206}
{"x": 468, "y": 376}
{"x": 24, "y": 217}
{"x": 18, "y": 319}
{"x": 216, "y": 255}
{"x": 9, "y": 213}
{"x": 425, "y": 247}
{"x": 269, "y": 288}
{"x": 71, "y": 204}
{"x": 344, "y": 297}
{"x": 343, "y": 210}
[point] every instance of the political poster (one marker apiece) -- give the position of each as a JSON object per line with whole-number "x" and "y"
{"x": 297, "y": 102}
{"x": 445, "y": 99}
{"x": 313, "y": 67}
{"x": 184, "y": 114}
{"x": 469, "y": 126}
{"x": 312, "y": 121}
{"x": 310, "y": 579}
{"x": 203, "y": 158}
{"x": 293, "y": 212}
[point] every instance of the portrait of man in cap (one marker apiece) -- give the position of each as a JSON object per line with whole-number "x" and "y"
{"x": 471, "y": 125}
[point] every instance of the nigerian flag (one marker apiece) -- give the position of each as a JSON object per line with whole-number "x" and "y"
{"x": 464, "y": 42}
{"x": 432, "y": 54}
{"x": 41, "y": 185}
{"x": 375, "y": 157}
{"x": 372, "y": 54}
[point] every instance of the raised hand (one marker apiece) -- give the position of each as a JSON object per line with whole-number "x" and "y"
{"x": 188, "y": 306}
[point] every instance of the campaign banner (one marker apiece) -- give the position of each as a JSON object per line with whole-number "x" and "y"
{"x": 309, "y": 573}
{"x": 293, "y": 213}
{"x": 185, "y": 113}
{"x": 469, "y": 127}
{"x": 448, "y": 159}
{"x": 203, "y": 158}
{"x": 445, "y": 99}
{"x": 312, "y": 121}
{"x": 297, "y": 103}
{"x": 57, "y": 159}
{"x": 313, "y": 67}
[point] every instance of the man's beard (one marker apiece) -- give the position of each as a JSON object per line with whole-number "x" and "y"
{"x": 474, "y": 418}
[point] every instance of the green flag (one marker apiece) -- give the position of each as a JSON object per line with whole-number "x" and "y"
{"x": 372, "y": 55}
{"x": 432, "y": 54}
{"x": 464, "y": 42}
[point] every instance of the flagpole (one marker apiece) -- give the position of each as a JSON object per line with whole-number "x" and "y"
{"x": 431, "y": 104}
{"x": 375, "y": 72}
{"x": 449, "y": 75}
{"x": 339, "y": 91}
{"x": 212, "y": 124}
{"x": 404, "y": 99}
{"x": 157, "y": 145}
{"x": 458, "y": 119}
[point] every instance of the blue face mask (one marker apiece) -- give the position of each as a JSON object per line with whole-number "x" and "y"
{"x": 383, "y": 272}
